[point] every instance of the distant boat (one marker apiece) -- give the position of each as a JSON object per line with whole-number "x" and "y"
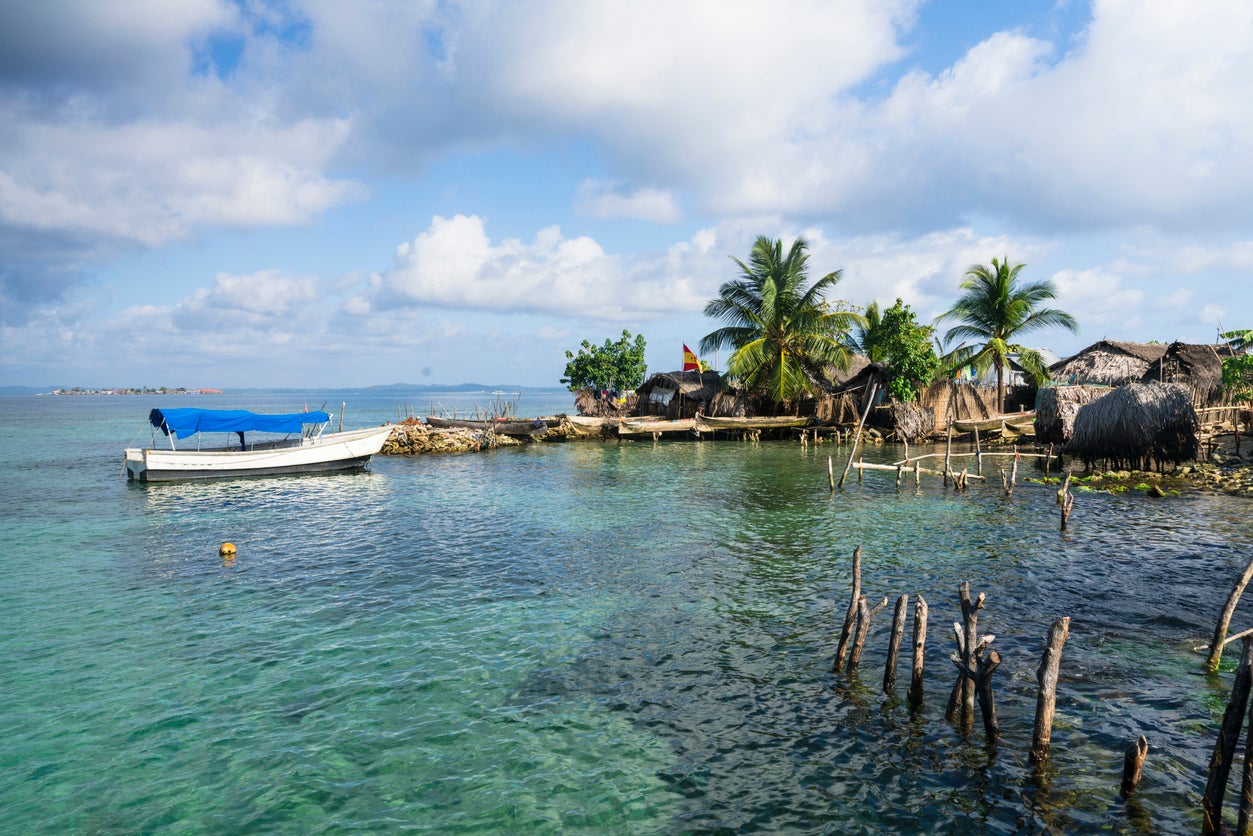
{"x": 303, "y": 447}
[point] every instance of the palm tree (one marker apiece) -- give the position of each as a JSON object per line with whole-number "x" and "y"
{"x": 1238, "y": 340}
{"x": 994, "y": 309}
{"x": 866, "y": 338}
{"x": 784, "y": 334}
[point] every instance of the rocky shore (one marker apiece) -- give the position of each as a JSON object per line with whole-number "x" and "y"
{"x": 1224, "y": 471}
{"x": 412, "y": 437}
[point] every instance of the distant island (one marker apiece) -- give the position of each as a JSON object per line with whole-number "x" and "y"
{"x": 77, "y": 390}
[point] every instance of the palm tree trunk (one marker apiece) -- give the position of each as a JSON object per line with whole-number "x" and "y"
{"x": 1000, "y": 386}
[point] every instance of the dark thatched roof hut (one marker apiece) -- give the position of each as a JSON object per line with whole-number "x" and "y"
{"x": 1056, "y": 408}
{"x": 1108, "y": 363}
{"x": 1138, "y": 424}
{"x": 1197, "y": 367}
{"x": 676, "y": 395}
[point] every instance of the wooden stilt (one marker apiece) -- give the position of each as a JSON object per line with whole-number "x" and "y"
{"x": 948, "y": 451}
{"x": 1067, "y": 506}
{"x": 894, "y": 644}
{"x": 831, "y": 473}
{"x": 920, "y": 645}
{"x": 850, "y": 616}
{"x": 864, "y": 615}
{"x": 1133, "y": 766}
{"x": 1225, "y": 746}
{"x": 1046, "y": 699}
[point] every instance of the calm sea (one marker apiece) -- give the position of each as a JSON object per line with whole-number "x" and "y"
{"x": 584, "y": 637}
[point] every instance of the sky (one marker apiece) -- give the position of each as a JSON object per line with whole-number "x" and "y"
{"x": 311, "y": 193}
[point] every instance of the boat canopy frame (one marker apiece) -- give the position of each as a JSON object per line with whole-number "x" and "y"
{"x": 188, "y": 421}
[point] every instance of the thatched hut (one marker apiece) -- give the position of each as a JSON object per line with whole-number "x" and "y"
{"x": 953, "y": 400}
{"x": 1137, "y": 425}
{"x": 1197, "y": 367}
{"x": 676, "y": 395}
{"x": 591, "y": 403}
{"x": 1107, "y": 363}
{"x": 1056, "y": 408}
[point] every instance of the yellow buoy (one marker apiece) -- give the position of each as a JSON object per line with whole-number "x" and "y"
{"x": 226, "y": 549}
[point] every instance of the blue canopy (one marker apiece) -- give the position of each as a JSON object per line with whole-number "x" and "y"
{"x": 189, "y": 421}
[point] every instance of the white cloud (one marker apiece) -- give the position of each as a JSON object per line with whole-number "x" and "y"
{"x": 454, "y": 264}
{"x": 602, "y": 200}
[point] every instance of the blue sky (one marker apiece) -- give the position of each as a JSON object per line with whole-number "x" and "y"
{"x": 316, "y": 193}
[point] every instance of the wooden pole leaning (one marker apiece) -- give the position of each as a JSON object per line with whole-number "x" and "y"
{"x": 857, "y": 437}
{"x": 1225, "y": 746}
{"x": 864, "y": 614}
{"x": 1224, "y": 620}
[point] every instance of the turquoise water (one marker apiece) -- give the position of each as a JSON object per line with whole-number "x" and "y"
{"x": 583, "y": 637}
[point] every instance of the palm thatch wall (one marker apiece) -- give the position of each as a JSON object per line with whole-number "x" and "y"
{"x": 1108, "y": 363}
{"x": 1056, "y": 408}
{"x": 950, "y": 400}
{"x": 1198, "y": 367}
{"x": 676, "y": 395}
{"x": 1136, "y": 426}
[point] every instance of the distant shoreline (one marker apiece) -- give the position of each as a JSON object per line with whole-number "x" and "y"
{"x": 161, "y": 391}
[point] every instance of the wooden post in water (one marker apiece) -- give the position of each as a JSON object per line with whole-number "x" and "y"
{"x": 1225, "y": 746}
{"x": 831, "y": 473}
{"x": 1245, "y": 817}
{"x": 981, "y": 675}
{"x": 948, "y": 452}
{"x": 894, "y": 644}
{"x": 920, "y": 645}
{"x": 851, "y": 615}
{"x": 864, "y": 614}
{"x": 1133, "y": 767}
{"x": 857, "y": 438}
{"x": 1068, "y": 505}
{"x": 962, "y": 698}
{"x": 978, "y": 454}
{"x": 1048, "y": 460}
{"x": 1046, "y": 699}
{"x": 1224, "y": 620}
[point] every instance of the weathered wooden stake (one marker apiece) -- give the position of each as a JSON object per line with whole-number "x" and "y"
{"x": 1245, "y": 816}
{"x": 967, "y": 640}
{"x": 864, "y": 614}
{"x": 1067, "y": 507}
{"x": 1224, "y": 620}
{"x": 1046, "y": 700}
{"x": 1133, "y": 767}
{"x": 850, "y": 616}
{"x": 831, "y": 473}
{"x": 981, "y": 677}
{"x": 894, "y": 644}
{"x": 1064, "y": 490}
{"x": 1225, "y": 746}
{"x": 1048, "y": 461}
{"x": 917, "y": 473}
{"x": 978, "y": 454}
{"x": 920, "y": 646}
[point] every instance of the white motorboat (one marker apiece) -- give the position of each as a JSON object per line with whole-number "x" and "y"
{"x": 292, "y": 443}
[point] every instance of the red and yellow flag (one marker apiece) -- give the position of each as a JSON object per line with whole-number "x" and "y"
{"x": 690, "y": 363}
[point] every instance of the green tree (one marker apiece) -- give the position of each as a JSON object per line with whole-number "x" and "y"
{"x": 994, "y": 309}
{"x": 867, "y": 336}
{"x": 1238, "y": 376}
{"x": 615, "y": 365}
{"x": 894, "y": 339}
{"x": 783, "y": 332}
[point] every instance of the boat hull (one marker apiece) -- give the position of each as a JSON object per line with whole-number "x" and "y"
{"x": 332, "y": 452}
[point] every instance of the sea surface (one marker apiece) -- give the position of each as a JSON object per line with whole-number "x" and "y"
{"x": 585, "y": 637}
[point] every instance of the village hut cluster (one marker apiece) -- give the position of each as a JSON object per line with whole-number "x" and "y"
{"x": 1113, "y": 405}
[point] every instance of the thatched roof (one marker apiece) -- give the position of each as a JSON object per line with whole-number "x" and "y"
{"x": 699, "y": 386}
{"x": 838, "y": 379}
{"x": 1198, "y": 367}
{"x": 1138, "y": 423}
{"x": 1056, "y": 408}
{"x": 1108, "y": 362}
